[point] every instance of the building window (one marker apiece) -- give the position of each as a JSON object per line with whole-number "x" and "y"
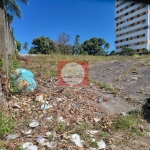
{"x": 132, "y": 11}
{"x": 132, "y": 4}
{"x": 138, "y": 8}
{"x": 131, "y": 38}
{"x": 138, "y": 36}
{"x": 138, "y": 22}
{"x": 126, "y": 7}
{"x": 137, "y": 50}
{"x": 144, "y": 13}
{"x": 131, "y": 18}
{"x": 138, "y": 15}
{"x": 143, "y": 35}
{"x": 146, "y": 27}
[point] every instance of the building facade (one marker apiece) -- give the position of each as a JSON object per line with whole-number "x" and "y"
{"x": 132, "y": 25}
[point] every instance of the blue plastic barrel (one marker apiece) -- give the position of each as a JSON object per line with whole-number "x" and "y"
{"x": 25, "y": 82}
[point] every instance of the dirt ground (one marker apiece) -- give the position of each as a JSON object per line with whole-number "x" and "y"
{"x": 116, "y": 88}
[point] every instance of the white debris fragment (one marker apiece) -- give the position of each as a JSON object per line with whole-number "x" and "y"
{"x": 44, "y": 142}
{"x": 49, "y": 118}
{"x": 39, "y": 98}
{"x": 92, "y": 132}
{"x": 12, "y": 136}
{"x": 123, "y": 113}
{"x": 93, "y": 139}
{"x": 59, "y": 99}
{"x": 76, "y": 139}
{"x": 46, "y": 106}
{"x": 16, "y": 106}
{"x": 101, "y": 144}
{"x": 27, "y": 132}
{"x": 96, "y": 120}
{"x": 51, "y": 145}
{"x": 48, "y": 133}
{"x": 34, "y": 124}
{"x": 29, "y": 146}
{"x": 61, "y": 119}
{"x": 91, "y": 148}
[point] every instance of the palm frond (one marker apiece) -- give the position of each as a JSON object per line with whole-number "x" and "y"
{"x": 26, "y": 2}
{"x": 13, "y": 8}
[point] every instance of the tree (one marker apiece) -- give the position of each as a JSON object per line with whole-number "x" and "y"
{"x": 43, "y": 45}
{"x": 12, "y": 7}
{"x": 145, "y": 51}
{"x": 77, "y": 49}
{"x": 126, "y": 51}
{"x": 95, "y": 46}
{"x": 62, "y": 41}
{"x": 18, "y": 46}
{"x": 112, "y": 53}
{"x": 25, "y": 46}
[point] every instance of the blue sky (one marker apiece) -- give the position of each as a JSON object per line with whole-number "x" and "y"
{"x": 87, "y": 18}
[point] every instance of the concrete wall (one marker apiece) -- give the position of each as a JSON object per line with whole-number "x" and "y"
{"x": 7, "y": 42}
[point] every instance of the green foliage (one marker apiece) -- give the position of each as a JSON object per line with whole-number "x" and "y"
{"x": 13, "y": 8}
{"x": 145, "y": 51}
{"x": 25, "y": 46}
{"x": 18, "y": 46}
{"x": 9, "y": 18}
{"x": 112, "y": 53}
{"x": 126, "y": 51}
{"x": 129, "y": 122}
{"x": 15, "y": 63}
{"x": 63, "y": 45}
{"x": 6, "y": 124}
{"x": 77, "y": 49}
{"x": 136, "y": 56}
{"x": 104, "y": 134}
{"x": 43, "y": 45}
{"x": 1, "y": 63}
{"x": 95, "y": 46}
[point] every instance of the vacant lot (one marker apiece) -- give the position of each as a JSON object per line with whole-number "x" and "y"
{"x": 110, "y": 105}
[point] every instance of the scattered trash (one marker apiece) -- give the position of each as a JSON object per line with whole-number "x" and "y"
{"x": 61, "y": 119}
{"x": 96, "y": 120}
{"x": 100, "y": 100}
{"x": 123, "y": 113}
{"x": 91, "y": 148}
{"x": 93, "y": 139}
{"x": 25, "y": 83}
{"x": 16, "y": 106}
{"x": 51, "y": 145}
{"x": 59, "y": 99}
{"x": 76, "y": 139}
{"x": 101, "y": 144}
{"x": 92, "y": 132}
{"x": 12, "y": 136}
{"x": 48, "y": 133}
{"x": 41, "y": 141}
{"x": 49, "y": 118}
{"x": 27, "y": 132}
{"x": 44, "y": 142}
{"x": 39, "y": 98}
{"x": 29, "y": 146}
{"x": 34, "y": 124}
{"x": 21, "y": 72}
{"x": 46, "y": 106}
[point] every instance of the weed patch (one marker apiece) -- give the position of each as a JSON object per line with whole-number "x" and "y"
{"x": 6, "y": 124}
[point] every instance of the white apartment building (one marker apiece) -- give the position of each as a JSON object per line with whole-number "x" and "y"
{"x": 132, "y": 25}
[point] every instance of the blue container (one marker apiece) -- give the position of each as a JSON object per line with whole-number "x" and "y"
{"x": 21, "y": 72}
{"x": 25, "y": 82}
